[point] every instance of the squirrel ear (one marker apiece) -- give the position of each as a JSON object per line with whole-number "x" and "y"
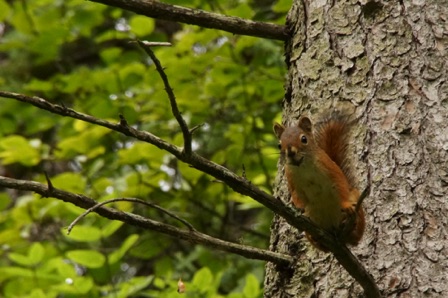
{"x": 278, "y": 130}
{"x": 305, "y": 124}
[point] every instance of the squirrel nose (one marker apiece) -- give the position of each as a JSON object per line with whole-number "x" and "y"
{"x": 291, "y": 151}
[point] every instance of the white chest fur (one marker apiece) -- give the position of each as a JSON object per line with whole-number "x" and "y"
{"x": 318, "y": 192}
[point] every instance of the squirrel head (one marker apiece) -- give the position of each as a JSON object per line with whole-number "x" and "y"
{"x": 297, "y": 141}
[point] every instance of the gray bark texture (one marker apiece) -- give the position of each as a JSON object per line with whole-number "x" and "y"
{"x": 386, "y": 63}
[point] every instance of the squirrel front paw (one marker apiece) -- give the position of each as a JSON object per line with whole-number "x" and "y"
{"x": 348, "y": 222}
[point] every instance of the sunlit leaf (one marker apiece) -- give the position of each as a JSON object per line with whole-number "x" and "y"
{"x": 252, "y": 287}
{"x": 110, "y": 54}
{"x": 76, "y": 285}
{"x": 141, "y": 25}
{"x": 203, "y": 278}
{"x": 18, "y": 149}
{"x": 73, "y": 182}
{"x": 83, "y": 233}
{"x": 20, "y": 259}
{"x": 88, "y": 258}
{"x": 282, "y": 5}
{"x": 36, "y": 253}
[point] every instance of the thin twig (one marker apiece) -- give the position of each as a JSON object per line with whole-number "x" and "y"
{"x": 133, "y": 200}
{"x": 194, "y": 236}
{"x": 202, "y": 18}
{"x": 349, "y": 224}
{"x": 363, "y": 195}
{"x": 183, "y": 125}
{"x": 123, "y": 121}
{"x": 193, "y": 129}
{"x": 49, "y": 184}
{"x": 155, "y": 43}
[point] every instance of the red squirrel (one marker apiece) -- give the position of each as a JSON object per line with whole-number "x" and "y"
{"x": 319, "y": 175}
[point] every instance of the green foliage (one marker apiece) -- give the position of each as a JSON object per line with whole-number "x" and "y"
{"x": 87, "y": 258}
{"x": 17, "y": 149}
{"x": 78, "y": 54}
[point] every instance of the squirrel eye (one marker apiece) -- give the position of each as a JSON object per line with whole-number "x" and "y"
{"x": 280, "y": 146}
{"x": 303, "y": 139}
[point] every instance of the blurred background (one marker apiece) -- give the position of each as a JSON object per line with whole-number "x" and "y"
{"x": 78, "y": 54}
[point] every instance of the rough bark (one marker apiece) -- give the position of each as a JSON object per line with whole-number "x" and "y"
{"x": 386, "y": 63}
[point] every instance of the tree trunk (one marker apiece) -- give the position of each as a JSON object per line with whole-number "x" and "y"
{"x": 386, "y": 64}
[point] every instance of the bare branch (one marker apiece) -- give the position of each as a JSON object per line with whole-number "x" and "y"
{"x": 192, "y": 236}
{"x": 133, "y": 200}
{"x": 157, "y": 10}
{"x": 237, "y": 183}
{"x": 183, "y": 125}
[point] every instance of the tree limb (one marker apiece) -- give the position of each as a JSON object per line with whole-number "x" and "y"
{"x": 237, "y": 183}
{"x": 158, "y": 10}
{"x": 189, "y": 235}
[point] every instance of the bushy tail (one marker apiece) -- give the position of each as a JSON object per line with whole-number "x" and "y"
{"x": 332, "y": 135}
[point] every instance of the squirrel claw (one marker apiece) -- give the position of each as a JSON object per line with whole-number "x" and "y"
{"x": 348, "y": 222}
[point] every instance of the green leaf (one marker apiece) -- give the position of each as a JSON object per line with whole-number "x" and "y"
{"x": 83, "y": 285}
{"x": 4, "y": 10}
{"x": 38, "y": 293}
{"x": 34, "y": 256}
{"x": 36, "y": 253}
{"x": 110, "y": 54}
{"x": 88, "y": 258}
{"x": 242, "y": 11}
{"x": 252, "y": 287}
{"x": 83, "y": 233}
{"x": 15, "y": 272}
{"x": 9, "y": 236}
{"x": 20, "y": 19}
{"x": 60, "y": 265}
{"x": 73, "y": 182}
{"x": 47, "y": 44}
{"x": 282, "y": 5}
{"x": 203, "y": 279}
{"x": 18, "y": 149}
{"x": 148, "y": 247}
{"x": 85, "y": 17}
{"x": 110, "y": 228}
{"x": 140, "y": 153}
{"x": 127, "y": 244}
{"x": 5, "y": 201}
{"x": 134, "y": 285}
{"x": 87, "y": 140}
{"x": 39, "y": 85}
{"x": 20, "y": 259}
{"x": 77, "y": 285}
{"x": 159, "y": 283}
{"x": 141, "y": 25}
